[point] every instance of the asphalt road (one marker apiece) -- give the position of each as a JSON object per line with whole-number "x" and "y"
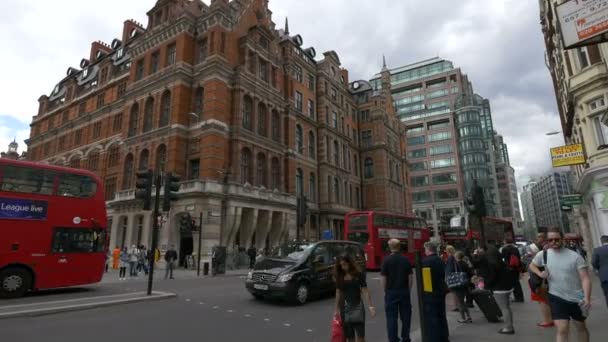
{"x": 209, "y": 309}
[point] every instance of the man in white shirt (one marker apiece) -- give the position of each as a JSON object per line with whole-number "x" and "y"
{"x": 569, "y": 286}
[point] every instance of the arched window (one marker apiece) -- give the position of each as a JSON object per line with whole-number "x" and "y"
{"x": 345, "y": 194}
{"x": 148, "y": 114}
{"x": 311, "y": 144}
{"x": 276, "y": 126}
{"x": 275, "y": 174}
{"x": 336, "y": 153}
{"x": 368, "y": 168}
{"x": 261, "y": 170}
{"x": 113, "y": 155}
{"x": 299, "y": 182}
{"x": 165, "y": 109}
{"x": 127, "y": 174}
{"x": 356, "y": 165}
{"x": 94, "y": 161}
{"x": 161, "y": 159}
{"x": 133, "y": 119}
{"x": 390, "y": 169}
{"x": 144, "y": 158}
{"x": 299, "y": 139}
{"x": 246, "y": 166}
{"x": 247, "y": 113}
{"x": 397, "y": 175}
{"x": 312, "y": 188}
{"x": 262, "y": 119}
{"x": 198, "y": 101}
{"x": 336, "y": 190}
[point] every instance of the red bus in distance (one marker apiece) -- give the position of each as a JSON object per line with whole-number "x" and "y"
{"x": 373, "y": 230}
{"x": 52, "y": 227}
{"x": 464, "y": 231}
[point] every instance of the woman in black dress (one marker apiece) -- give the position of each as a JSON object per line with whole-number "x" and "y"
{"x": 351, "y": 286}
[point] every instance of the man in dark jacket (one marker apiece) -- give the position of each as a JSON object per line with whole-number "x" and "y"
{"x": 434, "y": 295}
{"x": 600, "y": 263}
{"x": 501, "y": 283}
{"x": 512, "y": 258}
{"x": 251, "y": 253}
{"x": 170, "y": 258}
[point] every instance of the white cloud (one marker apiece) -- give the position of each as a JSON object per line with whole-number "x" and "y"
{"x": 498, "y": 43}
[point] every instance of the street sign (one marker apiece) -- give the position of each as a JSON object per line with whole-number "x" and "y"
{"x": 567, "y": 155}
{"x": 570, "y": 200}
{"x": 582, "y": 22}
{"x": 327, "y": 235}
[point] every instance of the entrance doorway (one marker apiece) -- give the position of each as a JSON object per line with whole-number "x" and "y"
{"x": 186, "y": 247}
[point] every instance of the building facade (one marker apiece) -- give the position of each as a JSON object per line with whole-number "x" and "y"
{"x": 580, "y": 81}
{"x": 545, "y": 197}
{"x": 12, "y": 151}
{"x": 424, "y": 94}
{"x": 529, "y": 216}
{"x": 249, "y": 117}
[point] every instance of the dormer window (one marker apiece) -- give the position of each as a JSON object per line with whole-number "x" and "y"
{"x": 56, "y": 90}
{"x": 85, "y": 73}
{"x": 99, "y": 54}
{"x": 133, "y": 33}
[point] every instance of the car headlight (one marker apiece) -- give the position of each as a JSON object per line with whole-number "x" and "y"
{"x": 249, "y": 275}
{"x": 285, "y": 277}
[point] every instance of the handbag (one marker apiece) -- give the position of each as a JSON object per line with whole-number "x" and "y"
{"x": 337, "y": 330}
{"x": 354, "y": 313}
{"x": 457, "y": 278}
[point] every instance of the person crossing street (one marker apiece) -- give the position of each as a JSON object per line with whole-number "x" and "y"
{"x": 396, "y": 282}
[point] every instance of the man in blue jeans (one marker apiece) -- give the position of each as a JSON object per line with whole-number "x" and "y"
{"x": 397, "y": 281}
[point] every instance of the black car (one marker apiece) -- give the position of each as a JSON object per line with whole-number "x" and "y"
{"x": 299, "y": 271}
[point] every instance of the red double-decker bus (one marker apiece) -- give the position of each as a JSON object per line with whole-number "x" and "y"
{"x": 464, "y": 231}
{"x": 373, "y": 230}
{"x": 52, "y": 227}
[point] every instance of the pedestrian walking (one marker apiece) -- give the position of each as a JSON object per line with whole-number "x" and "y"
{"x": 251, "y": 253}
{"x": 600, "y": 263}
{"x": 540, "y": 295}
{"x": 434, "y": 296}
{"x": 133, "y": 256}
{"x": 501, "y": 282}
{"x": 458, "y": 265}
{"x": 569, "y": 286}
{"x": 396, "y": 274}
{"x": 170, "y": 258}
{"x": 115, "y": 258}
{"x": 124, "y": 263}
{"x": 512, "y": 258}
{"x": 142, "y": 260}
{"x": 351, "y": 286}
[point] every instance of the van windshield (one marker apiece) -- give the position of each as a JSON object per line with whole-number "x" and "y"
{"x": 294, "y": 251}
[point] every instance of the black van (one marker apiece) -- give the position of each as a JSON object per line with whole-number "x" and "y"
{"x": 298, "y": 271}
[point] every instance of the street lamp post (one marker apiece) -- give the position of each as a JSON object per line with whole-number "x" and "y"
{"x": 200, "y": 241}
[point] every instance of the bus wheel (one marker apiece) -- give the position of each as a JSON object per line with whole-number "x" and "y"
{"x": 14, "y": 282}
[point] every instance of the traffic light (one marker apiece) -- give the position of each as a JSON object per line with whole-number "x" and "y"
{"x": 171, "y": 188}
{"x": 301, "y": 210}
{"x": 185, "y": 223}
{"x": 143, "y": 187}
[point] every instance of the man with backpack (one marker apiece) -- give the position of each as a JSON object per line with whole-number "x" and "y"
{"x": 512, "y": 258}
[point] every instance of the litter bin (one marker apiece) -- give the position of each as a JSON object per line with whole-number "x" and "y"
{"x": 206, "y": 268}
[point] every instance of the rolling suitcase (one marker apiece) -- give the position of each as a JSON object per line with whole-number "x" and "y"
{"x": 487, "y": 304}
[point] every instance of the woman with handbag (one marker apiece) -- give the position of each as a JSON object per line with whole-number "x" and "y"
{"x": 351, "y": 286}
{"x": 459, "y": 273}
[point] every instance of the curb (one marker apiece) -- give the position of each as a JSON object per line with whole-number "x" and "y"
{"x": 141, "y": 297}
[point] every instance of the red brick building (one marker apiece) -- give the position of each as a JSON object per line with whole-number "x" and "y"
{"x": 241, "y": 110}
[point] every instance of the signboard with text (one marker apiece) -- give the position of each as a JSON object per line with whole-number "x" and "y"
{"x": 22, "y": 209}
{"x": 582, "y": 22}
{"x": 570, "y": 200}
{"x": 567, "y": 155}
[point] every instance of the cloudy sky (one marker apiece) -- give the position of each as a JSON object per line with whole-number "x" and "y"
{"x": 498, "y": 43}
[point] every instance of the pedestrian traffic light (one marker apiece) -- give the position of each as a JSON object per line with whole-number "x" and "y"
{"x": 171, "y": 188}
{"x": 143, "y": 187}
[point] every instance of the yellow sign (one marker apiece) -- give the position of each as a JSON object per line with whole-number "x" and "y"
{"x": 427, "y": 283}
{"x": 567, "y": 155}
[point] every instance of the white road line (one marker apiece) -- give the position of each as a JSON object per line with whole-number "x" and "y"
{"x": 266, "y": 319}
{"x": 216, "y": 307}
{"x": 187, "y": 300}
{"x": 247, "y": 315}
{"x": 308, "y": 330}
{"x": 231, "y": 311}
{"x": 201, "y": 303}
{"x": 377, "y": 278}
{"x": 287, "y": 324}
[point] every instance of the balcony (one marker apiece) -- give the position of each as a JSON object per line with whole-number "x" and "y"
{"x": 587, "y": 76}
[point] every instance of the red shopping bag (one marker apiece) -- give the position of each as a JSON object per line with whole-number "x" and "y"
{"x": 337, "y": 331}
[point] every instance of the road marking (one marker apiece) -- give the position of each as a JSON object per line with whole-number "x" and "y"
{"x": 187, "y": 300}
{"x": 247, "y": 315}
{"x": 308, "y": 330}
{"x": 216, "y": 307}
{"x": 287, "y": 324}
{"x": 377, "y": 278}
{"x": 231, "y": 311}
{"x": 201, "y": 303}
{"x": 266, "y": 319}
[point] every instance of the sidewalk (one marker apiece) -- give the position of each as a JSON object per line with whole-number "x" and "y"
{"x": 525, "y": 316}
{"x": 159, "y": 273}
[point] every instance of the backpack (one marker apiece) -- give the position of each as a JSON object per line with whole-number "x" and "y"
{"x": 514, "y": 262}
{"x": 535, "y": 281}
